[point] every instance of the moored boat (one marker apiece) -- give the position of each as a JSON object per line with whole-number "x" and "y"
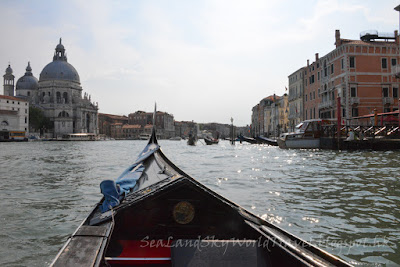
{"x": 306, "y": 135}
{"x": 265, "y": 140}
{"x": 155, "y": 214}
{"x": 247, "y": 139}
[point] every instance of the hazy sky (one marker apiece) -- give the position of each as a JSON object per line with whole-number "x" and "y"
{"x": 205, "y": 61}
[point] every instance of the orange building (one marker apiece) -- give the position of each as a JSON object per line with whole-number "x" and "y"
{"x": 360, "y": 71}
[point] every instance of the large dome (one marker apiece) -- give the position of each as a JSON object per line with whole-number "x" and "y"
{"x": 28, "y": 81}
{"x": 59, "y": 69}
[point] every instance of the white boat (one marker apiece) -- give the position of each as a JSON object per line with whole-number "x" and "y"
{"x": 306, "y": 135}
{"x": 144, "y": 136}
{"x": 176, "y": 138}
{"x": 78, "y": 137}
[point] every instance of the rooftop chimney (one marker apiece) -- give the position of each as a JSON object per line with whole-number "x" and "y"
{"x": 308, "y": 62}
{"x": 337, "y": 38}
{"x": 316, "y": 57}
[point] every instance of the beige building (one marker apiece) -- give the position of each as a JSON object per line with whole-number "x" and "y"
{"x": 296, "y": 89}
{"x": 279, "y": 115}
{"x": 14, "y": 117}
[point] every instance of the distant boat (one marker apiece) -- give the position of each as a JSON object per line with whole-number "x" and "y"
{"x": 211, "y": 141}
{"x": 248, "y": 139}
{"x": 78, "y": 137}
{"x": 176, "y": 138}
{"x": 155, "y": 214}
{"x": 192, "y": 140}
{"x": 144, "y": 136}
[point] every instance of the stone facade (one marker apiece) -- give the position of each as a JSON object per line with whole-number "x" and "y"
{"x": 58, "y": 93}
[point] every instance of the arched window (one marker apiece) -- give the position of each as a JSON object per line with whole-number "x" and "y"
{"x": 4, "y": 123}
{"x": 63, "y": 114}
{"x": 65, "y": 97}
{"x": 58, "y": 95}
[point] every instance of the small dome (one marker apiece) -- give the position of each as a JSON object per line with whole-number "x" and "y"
{"x": 28, "y": 81}
{"x": 9, "y": 70}
{"x": 60, "y": 47}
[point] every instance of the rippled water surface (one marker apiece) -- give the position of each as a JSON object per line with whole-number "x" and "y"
{"x": 348, "y": 203}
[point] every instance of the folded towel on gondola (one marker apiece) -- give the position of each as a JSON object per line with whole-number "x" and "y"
{"x": 114, "y": 192}
{"x": 112, "y": 195}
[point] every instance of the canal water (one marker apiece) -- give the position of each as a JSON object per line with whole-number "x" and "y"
{"x": 347, "y": 203}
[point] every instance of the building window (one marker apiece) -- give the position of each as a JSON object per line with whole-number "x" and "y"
{"x": 354, "y": 112}
{"x": 29, "y": 93}
{"x": 342, "y": 62}
{"x": 352, "y": 62}
{"x": 26, "y": 119}
{"x": 318, "y": 75}
{"x": 332, "y": 70}
{"x": 384, "y": 63}
{"x": 385, "y": 92}
{"x": 353, "y": 92}
{"x": 395, "y": 92}
{"x": 386, "y": 109}
{"x": 65, "y": 97}
{"x": 394, "y": 61}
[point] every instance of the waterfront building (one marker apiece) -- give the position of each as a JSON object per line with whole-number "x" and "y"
{"x": 109, "y": 124}
{"x": 296, "y": 89}
{"x": 58, "y": 93}
{"x": 164, "y": 122}
{"x": 14, "y": 116}
{"x": 359, "y": 71}
{"x": 279, "y": 115}
{"x": 132, "y": 131}
{"x": 259, "y": 126}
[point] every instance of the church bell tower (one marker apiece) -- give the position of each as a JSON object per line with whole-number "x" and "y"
{"x": 8, "y": 83}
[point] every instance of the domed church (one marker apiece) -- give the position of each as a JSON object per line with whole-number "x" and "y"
{"x": 58, "y": 92}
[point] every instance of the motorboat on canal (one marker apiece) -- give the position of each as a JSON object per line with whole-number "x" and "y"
{"x": 306, "y": 135}
{"x": 155, "y": 214}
